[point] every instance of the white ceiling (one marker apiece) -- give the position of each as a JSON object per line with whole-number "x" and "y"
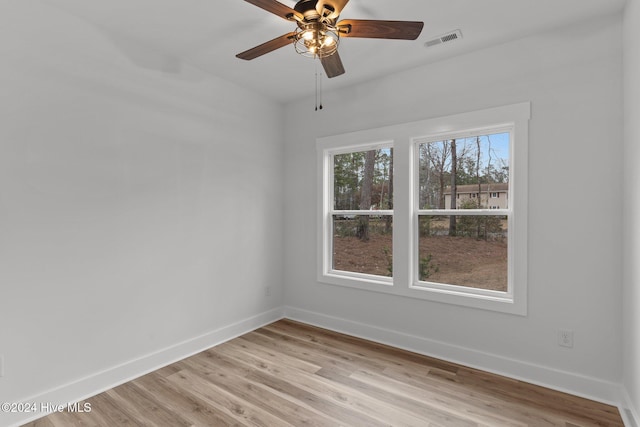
{"x": 208, "y": 34}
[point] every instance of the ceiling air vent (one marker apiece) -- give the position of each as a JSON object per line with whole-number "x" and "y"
{"x": 449, "y": 37}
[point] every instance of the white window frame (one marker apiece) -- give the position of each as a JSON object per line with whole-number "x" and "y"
{"x": 403, "y": 139}
{"x": 329, "y": 274}
{"x": 452, "y": 289}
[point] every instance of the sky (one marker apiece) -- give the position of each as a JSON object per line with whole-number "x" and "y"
{"x": 499, "y": 144}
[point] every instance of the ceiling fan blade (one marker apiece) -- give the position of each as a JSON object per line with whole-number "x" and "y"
{"x": 332, "y": 65}
{"x": 276, "y": 8}
{"x": 267, "y": 47}
{"x": 330, "y": 8}
{"x": 374, "y": 29}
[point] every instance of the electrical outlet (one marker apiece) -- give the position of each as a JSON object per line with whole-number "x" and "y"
{"x": 267, "y": 291}
{"x": 565, "y": 338}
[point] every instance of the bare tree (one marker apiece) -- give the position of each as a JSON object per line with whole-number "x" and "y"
{"x": 478, "y": 204}
{"x": 439, "y": 157}
{"x": 388, "y": 218}
{"x": 454, "y": 187}
{"x": 365, "y": 196}
{"x": 488, "y": 172}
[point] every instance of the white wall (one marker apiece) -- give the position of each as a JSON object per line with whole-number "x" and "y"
{"x": 631, "y": 199}
{"x": 139, "y": 208}
{"x": 122, "y": 233}
{"x": 572, "y": 76}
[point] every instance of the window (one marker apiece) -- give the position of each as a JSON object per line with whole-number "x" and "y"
{"x": 462, "y": 243}
{"x": 357, "y": 226}
{"x": 445, "y": 225}
{"x": 361, "y": 213}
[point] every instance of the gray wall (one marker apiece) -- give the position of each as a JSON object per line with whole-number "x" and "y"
{"x": 122, "y": 232}
{"x": 139, "y": 207}
{"x": 631, "y": 191}
{"x": 572, "y": 76}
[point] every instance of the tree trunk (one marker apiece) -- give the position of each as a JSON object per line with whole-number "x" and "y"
{"x": 441, "y": 167}
{"x": 454, "y": 187}
{"x": 388, "y": 219}
{"x": 479, "y": 204}
{"x": 365, "y": 195}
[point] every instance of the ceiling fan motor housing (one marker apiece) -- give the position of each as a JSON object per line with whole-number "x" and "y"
{"x": 309, "y": 9}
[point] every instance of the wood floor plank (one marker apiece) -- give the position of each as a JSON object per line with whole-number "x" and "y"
{"x": 349, "y": 399}
{"x": 470, "y": 406}
{"x": 323, "y": 404}
{"x": 257, "y": 394}
{"x": 323, "y": 355}
{"x": 216, "y": 396}
{"x": 433, "y": 411}
{"x": 273, "y": 382}
{"x": 144, "y": 407}
{"x": 291, "y": 374}
{"x": 443, "y": 387}
{"x": 43, "y": 422}
{"x": 389, "y": 356}
{"x": 539, "y": 399}
{"x": 275, "y": 352}
{"x": 108, "y": 410}
{"x": 196, "y": 410}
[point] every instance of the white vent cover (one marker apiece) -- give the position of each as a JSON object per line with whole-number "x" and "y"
{"x": 449, "y": 37}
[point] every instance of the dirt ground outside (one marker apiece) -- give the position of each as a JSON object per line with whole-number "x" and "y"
{"x": 463, "y": 261}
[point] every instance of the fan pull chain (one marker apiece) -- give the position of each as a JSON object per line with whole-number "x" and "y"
{"x": 318, "y": 90}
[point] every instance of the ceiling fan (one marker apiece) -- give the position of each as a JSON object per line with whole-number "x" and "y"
{"x": 318, "y": 31}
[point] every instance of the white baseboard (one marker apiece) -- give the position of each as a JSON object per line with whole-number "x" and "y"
{"x": 629, "y": 412}
{"x": 84, "y": 388}
{"x": 588, "y": 387}
{"x": 579, "y": 385}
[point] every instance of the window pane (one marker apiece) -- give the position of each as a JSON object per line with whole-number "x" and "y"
{"x": 465, "y": 250}
{"x": 363, "y": 180}
{"x": 363, "y": 244}
{"x": 465, "y": 173}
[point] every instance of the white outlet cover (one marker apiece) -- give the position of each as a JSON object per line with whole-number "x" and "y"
{"x": 565, "y": 338}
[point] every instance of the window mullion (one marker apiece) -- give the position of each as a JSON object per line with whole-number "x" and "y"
{"x": 463, "y": 212}
{"x": 403, "y": 211}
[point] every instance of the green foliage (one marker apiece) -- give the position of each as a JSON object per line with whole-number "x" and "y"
{"x": 469, "y": 204}
{"x": 347, "y": 171}
{"x": 478, "y": 226}
{"x": 424, "y": 226}
{"x": 344, "y": 227}
{"x": 348, "y": 175}
{"x": 389, "y": 257}
{"x": 427, "y": 267}
{"x": 349, "y": 226}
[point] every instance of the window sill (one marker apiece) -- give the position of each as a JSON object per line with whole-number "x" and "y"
{"x": 357, "y": 280}
{"x": 487, "y": 300}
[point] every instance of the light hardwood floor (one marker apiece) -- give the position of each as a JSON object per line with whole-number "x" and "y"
{"x": 292, "y": 374}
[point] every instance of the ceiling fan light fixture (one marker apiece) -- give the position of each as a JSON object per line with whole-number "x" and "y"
{"x": 320, "y": 30}
{"x": 316, "y": 40}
